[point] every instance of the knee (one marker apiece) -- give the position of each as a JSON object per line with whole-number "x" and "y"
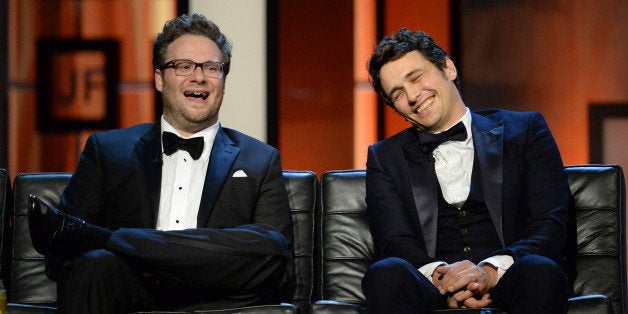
{"x": 88, "y": 269}
{"x": 395, "y": 282}
{"x": 541, "y": 271}
{"x": 98, "y": 262}
{"x": 270, "y": 241}
{"x": 541, "y": 266}
{"x": 390, "y": 269}
{"x": 280, "y": 244}
{"x": 537, "y": 278}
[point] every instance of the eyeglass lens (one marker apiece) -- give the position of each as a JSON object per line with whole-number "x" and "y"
{"x": 187, "y": 67}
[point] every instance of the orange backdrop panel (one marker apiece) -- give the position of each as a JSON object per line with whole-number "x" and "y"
{"x": 432, "y": 17}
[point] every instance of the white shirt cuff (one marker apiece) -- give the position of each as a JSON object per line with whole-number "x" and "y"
{"x": 502, "y": 262}
{"x": 428, "y": 269}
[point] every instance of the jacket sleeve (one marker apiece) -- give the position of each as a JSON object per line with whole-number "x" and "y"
{"x": 542, "y": 194}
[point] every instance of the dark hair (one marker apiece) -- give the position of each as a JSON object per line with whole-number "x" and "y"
{"x": 196, "y": 24}
{"x": 396, "y": 46}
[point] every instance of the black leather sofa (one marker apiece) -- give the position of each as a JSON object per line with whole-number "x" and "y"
{"x": 333, "y": 245}
{"x": 30, "y": 291}
{"x": 345, "y": 249}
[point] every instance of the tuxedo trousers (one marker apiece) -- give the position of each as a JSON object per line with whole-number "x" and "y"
{"x": 533, "y": 284}
{"x": 146, "y": 269}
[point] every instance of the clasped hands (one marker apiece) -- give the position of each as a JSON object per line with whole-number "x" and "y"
{"x": 466, "y": 285}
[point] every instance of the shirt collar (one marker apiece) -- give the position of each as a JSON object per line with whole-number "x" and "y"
{"x": 466, "y": 120}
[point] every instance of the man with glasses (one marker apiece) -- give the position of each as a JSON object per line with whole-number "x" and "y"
{"x": 179, "y": 214}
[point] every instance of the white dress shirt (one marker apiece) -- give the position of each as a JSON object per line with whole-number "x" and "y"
{"x": 454, "y": 166}
{"x": 182, "y": 182}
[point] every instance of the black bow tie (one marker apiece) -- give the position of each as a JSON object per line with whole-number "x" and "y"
{"x": 430, "y": 141}
{"x": 172, "y": 143}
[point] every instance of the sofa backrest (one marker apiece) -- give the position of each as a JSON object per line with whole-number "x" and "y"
{"x": 599, "y": 195}
{"x": 29, "y": 284}
{"x": 302, "y": 187}
{"x": 28, "y": 281}
{"x": 345, "y": 245}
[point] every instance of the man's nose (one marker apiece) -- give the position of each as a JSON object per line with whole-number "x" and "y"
{"x": 412, "y": 94}
{"x": 198, "y": 75}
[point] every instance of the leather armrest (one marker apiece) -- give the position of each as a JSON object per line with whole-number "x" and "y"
{"x": 590, "y": 304}
{"x": 19, "y": 308}
{"x": 335, "y": 307}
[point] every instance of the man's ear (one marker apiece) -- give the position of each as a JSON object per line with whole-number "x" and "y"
{"x": 450, "y": 70}
{"x": 158, "y": 80}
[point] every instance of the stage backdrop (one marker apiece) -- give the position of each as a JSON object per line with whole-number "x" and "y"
{"x": 244, "y": 22}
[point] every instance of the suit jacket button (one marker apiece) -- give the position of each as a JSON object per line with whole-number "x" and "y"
{"x": 467, "y": 249}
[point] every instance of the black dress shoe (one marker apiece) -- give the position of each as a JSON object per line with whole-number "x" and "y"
{"x": 55, "y": 233}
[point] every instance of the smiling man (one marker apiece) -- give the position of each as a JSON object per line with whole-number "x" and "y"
{"x": 176, "y": 215}
{"x": 467, "y": 209}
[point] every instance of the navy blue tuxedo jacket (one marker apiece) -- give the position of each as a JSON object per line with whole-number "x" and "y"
{"x": 118, "y": 182}
{"x": 524, "y": 185}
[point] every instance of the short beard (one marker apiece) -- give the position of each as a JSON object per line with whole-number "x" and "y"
{"x": 183, "y": 120}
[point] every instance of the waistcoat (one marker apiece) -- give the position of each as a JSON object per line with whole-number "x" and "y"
{"x": 468, "y": 232}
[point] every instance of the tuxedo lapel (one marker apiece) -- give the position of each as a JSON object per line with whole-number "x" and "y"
{"x": 488, "y": 139}
{"x": 223, "y": 154}
{"x": 148, "y": 151}
{"x": 424, "y": 185}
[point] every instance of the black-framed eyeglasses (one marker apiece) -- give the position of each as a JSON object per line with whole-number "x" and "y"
{"x": 184, "y": 67}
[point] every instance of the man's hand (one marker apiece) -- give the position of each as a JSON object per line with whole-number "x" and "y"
{"x": 471, "y": 302}
{"x": 463, "y": 282}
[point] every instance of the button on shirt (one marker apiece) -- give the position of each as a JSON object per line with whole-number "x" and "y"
{"x": 453, "y": 162}
{"x": 182, "y": 182}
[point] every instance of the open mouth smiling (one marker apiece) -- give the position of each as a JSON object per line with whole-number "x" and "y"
{"x": 426, "y": 104}
{"x": 202, "y": 95}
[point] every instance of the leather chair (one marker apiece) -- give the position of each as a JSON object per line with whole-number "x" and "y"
{"x": 599, "y": 197}
{"x": 32, "y": 292}
{"x": 345, "y": 246}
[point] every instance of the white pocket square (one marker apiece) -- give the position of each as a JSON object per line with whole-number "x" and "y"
{"x": 239, "y": 174}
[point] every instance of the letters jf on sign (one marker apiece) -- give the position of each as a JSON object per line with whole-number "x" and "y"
{"x": 77, "y": 84}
